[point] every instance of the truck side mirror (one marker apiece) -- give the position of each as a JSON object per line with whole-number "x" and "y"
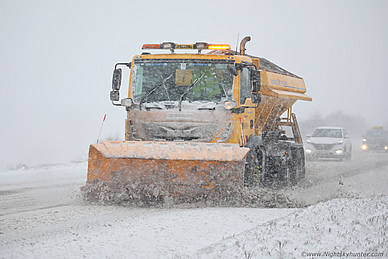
{"x": 114, "y": 96}
{"x": 256, "y": 86}
{"x": 232, "y": 70}
{"x": 256, "y": 97}
{"x": 256, "y": 80}
{"x": 116, "y": 79}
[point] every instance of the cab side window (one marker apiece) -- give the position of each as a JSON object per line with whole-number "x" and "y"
{"x": 245, "y": 87}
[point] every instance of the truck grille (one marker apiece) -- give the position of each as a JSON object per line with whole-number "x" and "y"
{"x": 174, "y": 131}
{"x": 323, "y": 146}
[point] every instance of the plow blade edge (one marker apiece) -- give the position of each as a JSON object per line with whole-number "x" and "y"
{"x": 178, "y": 168}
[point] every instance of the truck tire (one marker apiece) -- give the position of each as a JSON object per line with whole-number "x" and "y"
{"x": 271, "y": 169}
{"x": 297, "y": 165}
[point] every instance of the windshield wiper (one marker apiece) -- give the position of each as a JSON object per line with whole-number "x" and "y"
{"x": 188, "y": 89}
{"x": 223, "y": 88}
{"x": 153, "y": 89}
{"x": 153, "y": 107}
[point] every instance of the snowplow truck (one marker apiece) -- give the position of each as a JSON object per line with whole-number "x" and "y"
{"x": 206, "y": 121}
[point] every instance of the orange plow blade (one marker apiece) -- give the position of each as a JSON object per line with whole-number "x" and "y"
{"x": 174, "y": 168}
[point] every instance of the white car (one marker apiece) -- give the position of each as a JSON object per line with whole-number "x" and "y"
{"x": 328, "y": 142}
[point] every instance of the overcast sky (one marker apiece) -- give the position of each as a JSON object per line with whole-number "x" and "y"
{"x": 57, "y": 57}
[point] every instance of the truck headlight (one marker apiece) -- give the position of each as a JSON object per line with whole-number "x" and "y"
{"x": 127, "y": 102}
{"x": 230, "y": 105}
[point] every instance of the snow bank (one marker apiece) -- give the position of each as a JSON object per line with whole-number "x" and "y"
{"x": 338, "y": 226}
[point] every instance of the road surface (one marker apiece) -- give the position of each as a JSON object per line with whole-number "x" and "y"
{"x": 42, "y": 214}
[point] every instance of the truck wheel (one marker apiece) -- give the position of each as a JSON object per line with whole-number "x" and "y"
{"x": 276, "y": 174}
{"x": 297, "y": 165}
{"x": 293, "y": 167}
{"x": 303, "y": 172}
{"x": 302, "y": 169}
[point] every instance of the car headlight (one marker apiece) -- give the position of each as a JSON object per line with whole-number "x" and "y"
{"x": 364, "y": 140}
{"x": 308, "y": 141}
{"x": 340, "y": 142}
{"x": 308, "y": 150}
{"x": 364, "y": 147}
{"x": 339, "y": 151}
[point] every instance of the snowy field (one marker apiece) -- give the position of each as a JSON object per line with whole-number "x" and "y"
{"x": 344, "y": 214}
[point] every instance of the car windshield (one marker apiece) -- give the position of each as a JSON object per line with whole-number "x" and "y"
{"x": 192, "y": 80}
{"x": 327, "y": 133}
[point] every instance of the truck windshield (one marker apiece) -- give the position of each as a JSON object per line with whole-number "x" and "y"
{"x": 193, "y": 80}
{"x": 377, "y": 133}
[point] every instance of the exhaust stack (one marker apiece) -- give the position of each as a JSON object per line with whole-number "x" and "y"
{"x": 242, "y": 44}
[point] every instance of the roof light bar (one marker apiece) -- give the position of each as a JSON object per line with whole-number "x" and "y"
{"x": 151, "y": 46}
{"x": 167, "y": 45}
{"x": 219, "y": 46}
{"x": 199, "y": 46}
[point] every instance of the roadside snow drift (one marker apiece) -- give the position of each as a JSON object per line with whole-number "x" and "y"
{"x": 338, "y": 226}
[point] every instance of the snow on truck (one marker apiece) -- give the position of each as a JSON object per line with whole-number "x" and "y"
{"x": 200, "y": 124}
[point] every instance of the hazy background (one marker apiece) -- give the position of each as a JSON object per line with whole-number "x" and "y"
{"x": 57, "y": 57}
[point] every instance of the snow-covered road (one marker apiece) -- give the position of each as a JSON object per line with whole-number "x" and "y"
{"x": 42, "y": 215}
